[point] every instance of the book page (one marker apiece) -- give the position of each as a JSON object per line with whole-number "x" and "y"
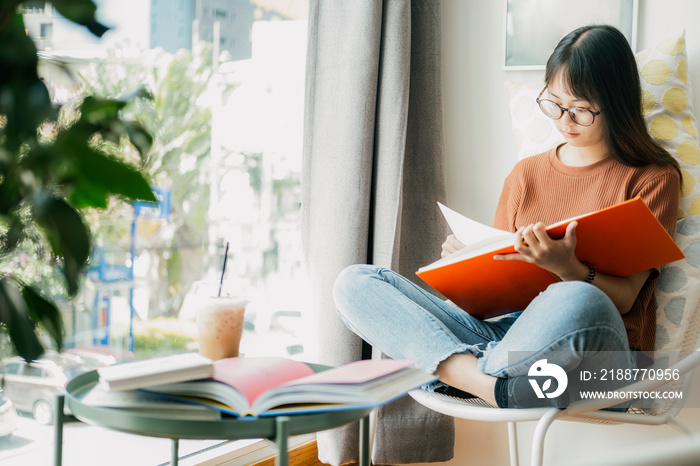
{"x": 469, "y": 251}
{"x": 470, "y": 232}
{"x": 254, "y": 376}
{"x": 102, "y": 396}
{"x": 357, "y": 372}
{"x": 153, "y": 371}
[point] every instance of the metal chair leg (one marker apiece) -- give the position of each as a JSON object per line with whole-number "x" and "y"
{"x": 540, "y": 432}
{"x": 678, "y": 425}
{"x": 513, "y": 443}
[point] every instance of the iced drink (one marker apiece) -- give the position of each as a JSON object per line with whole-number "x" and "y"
{"x": 220, "y": 324}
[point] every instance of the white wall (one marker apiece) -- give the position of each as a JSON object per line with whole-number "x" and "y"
{"x": 478, "y": 139}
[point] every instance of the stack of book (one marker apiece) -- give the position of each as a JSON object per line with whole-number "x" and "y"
{"x": 190, "y": 386}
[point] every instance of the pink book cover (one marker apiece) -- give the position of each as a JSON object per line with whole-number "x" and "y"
{"x": 254, "y": 376}
{"x": 355, "y": 372}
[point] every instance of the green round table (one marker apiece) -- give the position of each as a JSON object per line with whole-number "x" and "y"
{"x": 275, "y": 428}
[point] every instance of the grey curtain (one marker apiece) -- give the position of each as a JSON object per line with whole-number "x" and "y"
{"x": 372, "y": 173}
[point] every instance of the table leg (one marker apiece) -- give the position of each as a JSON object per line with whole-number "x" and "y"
{"x": 58, "y": 431}
{"x": 364, "y": 441}
{"x": 281, "y": 436}
{"x": 174, "y": 451}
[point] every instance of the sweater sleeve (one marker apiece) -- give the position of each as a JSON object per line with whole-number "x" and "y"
{"x": 661, "y": 194}
{"x": 501, "y": 219}
{"x": 507, "y": 208}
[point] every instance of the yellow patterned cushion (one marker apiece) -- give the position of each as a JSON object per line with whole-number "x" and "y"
{"x": 668, "y": 109}
{"x": 667, "y": 100}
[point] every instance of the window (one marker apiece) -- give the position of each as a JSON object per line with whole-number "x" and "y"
{"x": 35, "y": 6}
{"x": 226, "y": 168}
{"x": 46, "y": 30}
{"x": 33, "y": 371}
{"x": 12, "y": 368}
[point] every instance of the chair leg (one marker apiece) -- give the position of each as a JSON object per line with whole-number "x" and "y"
{"x": 540, "y": 432}
{"x": 679, "y": 426}
{"x": 513, "y": 443}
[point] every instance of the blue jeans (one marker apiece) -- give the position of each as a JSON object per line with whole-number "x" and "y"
{"x": 564, "y": 324}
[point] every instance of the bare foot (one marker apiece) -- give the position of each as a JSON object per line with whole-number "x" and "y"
{"x": 460, "y": 371}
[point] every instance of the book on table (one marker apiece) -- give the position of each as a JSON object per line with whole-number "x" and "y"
{"x": 153, "y": 371}
{"x": 268, "y": 386}
{"x": 145, "y": 404}
{"x": 620, "y": 240}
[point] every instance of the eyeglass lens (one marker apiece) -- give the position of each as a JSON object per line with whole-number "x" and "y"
{"x": 580, "y": 116}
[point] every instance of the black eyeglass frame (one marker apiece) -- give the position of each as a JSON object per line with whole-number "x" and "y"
{"x": 539, "y": 101}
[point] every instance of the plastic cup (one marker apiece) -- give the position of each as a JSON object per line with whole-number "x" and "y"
{"x": 220, "y": 326}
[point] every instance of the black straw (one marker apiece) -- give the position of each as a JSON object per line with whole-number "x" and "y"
{"x": 221, "y": 283}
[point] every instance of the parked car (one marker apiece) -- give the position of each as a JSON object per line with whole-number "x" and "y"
{"x": 8, "y": 416}
{"x": 33, "y": 387}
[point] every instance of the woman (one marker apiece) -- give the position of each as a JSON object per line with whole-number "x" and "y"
{"x": 592, "y": 93}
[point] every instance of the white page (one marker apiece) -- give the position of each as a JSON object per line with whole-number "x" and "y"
{"x": 472, "y": 233}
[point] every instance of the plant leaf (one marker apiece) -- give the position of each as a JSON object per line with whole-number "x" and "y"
{"x": 140, "y": 93}
{"x": 99, "y": 111}
{"x": 139, "y": 137}
{"x": 95, "y": 176}
{"x": 46, "y": 313}
{"x": 67, "y": 234}
{"x": 24, "y": 99}
{"x": 17, "y": 50}
{"x": 14, "y": 234}
{"x": 81, "y": 12}
{"x": 8, "y": 7}
{"x": 14, "y": 314}
{"x": 87, "y": 194}
{"x": 117, "y": 177}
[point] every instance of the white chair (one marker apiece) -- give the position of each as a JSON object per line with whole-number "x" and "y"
{"x": 678, "y": 337}
{"x": 584, "y": 411}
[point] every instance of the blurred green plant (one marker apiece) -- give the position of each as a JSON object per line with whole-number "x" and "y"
{"x": 49, "y": 171}
{"x": 151, "y": 343}
{"x": 179, "y": 117}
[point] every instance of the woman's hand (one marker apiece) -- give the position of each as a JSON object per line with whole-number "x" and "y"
{"x": 451, "y": 244}
{"x": 533, "y": 244}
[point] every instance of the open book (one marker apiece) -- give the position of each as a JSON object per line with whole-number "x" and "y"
{"x": 266, "y": 386}
{"x": 619, "y": 240}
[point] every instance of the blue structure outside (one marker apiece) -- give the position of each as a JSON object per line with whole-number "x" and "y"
{"x": 108, "y": 274}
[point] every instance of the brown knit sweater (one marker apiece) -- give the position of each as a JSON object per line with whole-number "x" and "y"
{"x": 542, "y": 189}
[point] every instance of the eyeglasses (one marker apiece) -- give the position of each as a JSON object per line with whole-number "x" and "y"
{"x": 579, "y": 115}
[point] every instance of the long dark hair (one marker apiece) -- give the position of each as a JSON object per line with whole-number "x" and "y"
{"x": 597, "y": 65}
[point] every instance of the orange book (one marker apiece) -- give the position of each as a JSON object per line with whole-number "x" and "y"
{"x": 620, "y": 240}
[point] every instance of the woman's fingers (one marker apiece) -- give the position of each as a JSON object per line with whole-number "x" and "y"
{"x": 536, "y": 235}
{"x": 451, "y": 245}
{"x": 540, "y": 232}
